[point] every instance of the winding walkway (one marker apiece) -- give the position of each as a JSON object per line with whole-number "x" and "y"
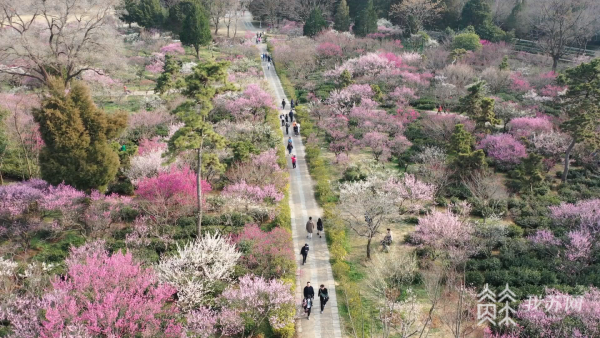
{"x": 317, "y": 269}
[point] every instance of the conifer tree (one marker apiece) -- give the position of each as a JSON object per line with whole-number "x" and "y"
{"x": 315, "y": 23}
{"x": 479, "y": 108}
{"x": 342, "y": 17}
{"x": 530, "y": 172}
{"x": 128, "y": 11}
{"x": 207, "y": 80}
{"x": 345, "y": 79}
{"x": 167, "y": 79}
{"x": 196, "y": 29}
{"x": 76, "y": 135}
{"x": 465, "y": 159}
{"x": 366, "y": 23}
{"x": 504, "y": 64}
{"x": 150, "y": 14}
{"x": 461, "y": 141}
{"x": 581, "y": 104}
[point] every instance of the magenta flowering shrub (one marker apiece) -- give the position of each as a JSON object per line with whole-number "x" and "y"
{"x": 528, "y": 126}
{"x": 552, "y": 91}
{"x": 403, "y": 95}
{"x": 504, "y": 149}
{"x": 173, "y": 48}
{"x": 519, "y": 83}
{"x": 267, "y": 254}
{"x": 583, "y": 215}
{"x": 110, "y": 295}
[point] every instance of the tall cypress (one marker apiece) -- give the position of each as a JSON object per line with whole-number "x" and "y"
{"x": 366, "y": 23}
{"x": 342, "y": 17}
{"x": 315, "y": 23}
{"x": 196, "y": 29}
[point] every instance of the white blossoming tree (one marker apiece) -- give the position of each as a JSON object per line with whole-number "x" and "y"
{"x": 196, "y": 268}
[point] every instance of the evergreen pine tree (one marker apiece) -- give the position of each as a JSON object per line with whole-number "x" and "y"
{"x": 465, "y": 160}
{"x": 128, "y": 11}
{"x": 342, "y": 17}
{"x": 581, "y": 105}
{"x": 177, "y": 14}
{"x": 345, "y": 79}
{"x": 76, "y": 135}
{"x": 315, "y": 23}
{"x": 479, "y": 108}
{"x": 476, "y": 13}
{"x": 167, "y": 79}
{"x": 196, "y": 29}
{"x": 207, "y": 80}
{"x": 530, "y": 172}
{"x": 504, "y": 64}
{"x": 461, "y": 141}
{"x": 366, "y": 23}
{"x": 150, "y": 14}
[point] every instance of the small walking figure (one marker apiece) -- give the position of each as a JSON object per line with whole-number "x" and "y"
{"x": 310, "y": 226}
{"x": 304, "y": 253}
{"x": 287, "y": 127}
{"x": 309, "y": 294}
{"x": 319, "y": 227}
{"x": 293, "y": 161}
{"x": 323, "y": 296}
{"x": 291, "y": 116}
{"x": 282, "y": 104}
{"x": 387, "y": 240}
{"x": 289, "y": 148}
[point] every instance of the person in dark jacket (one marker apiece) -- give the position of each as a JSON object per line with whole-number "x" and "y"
{"x": 287, "y": 127}
{"x": 289, "y": 148}
{"x": 309, "y": 292}
{"x": 304, "y": 253}
{"x": 323, "y": 296}
{"x": 291, "y": 116}
{"x": 292, "y": 104}
{"x": 282, "y": 104}
{"x": 319, "y": 227}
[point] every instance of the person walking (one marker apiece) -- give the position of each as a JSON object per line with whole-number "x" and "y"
{"x": 310, "y": 226}
{"x": 290, "y": 140}
{"x": 282, "y": 104}
{"x": 289, "y": 148}
{"x": 287, "y": 127}
{"x": 319, "y": 227}
{"x": 295, "y": 129}
{"x": 309, "y": 294}
{"x": 291, "y": 116}
{"x": 292, "y": 104}
{"x": 282, "y": 121}
{"x": 304, "y": 253}
{"x": 323, "y": 296}
{"x": 293, "y": 161}
{"x": 298, "y": 125}
{"x": 286, "y": 117}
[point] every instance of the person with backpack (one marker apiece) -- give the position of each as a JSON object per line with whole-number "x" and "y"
{"x": 287, "y": 126}
{"x": 290, "y": 140}
{"x": 282, "y": 104}
{"x": 293, "y": 161}
{"x": 310, "y": 226}
{"x": 304, "y": 253}
{"x": 289, "y": 148}
{"x": 291, "y": 116}
{"x": 323, "y": 296}
{"x": 319, "y": 227}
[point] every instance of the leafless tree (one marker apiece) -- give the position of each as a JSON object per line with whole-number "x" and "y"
{"x": 271, "y": 10}
{"x": 304, "y": 7}
{"x": 217, "y": 9}
{"x": 232, "y": 16}
{"x": 434, "y": 168}
{"x": 62, "y": 38}
{"x": 557, "y": 24}
{"x": 418, "y": 12}
{"x": 501, "y": 9}
{"x": 484, "y": 186}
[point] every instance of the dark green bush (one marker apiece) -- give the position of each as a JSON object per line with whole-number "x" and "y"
{"x": 424, "y": 103}
{"x": 474, "y": 278}
{"x": 128, "y": 214}
{"x": 352, "y": 174}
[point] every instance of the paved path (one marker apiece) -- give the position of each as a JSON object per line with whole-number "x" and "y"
{"x": 317, "y": 270}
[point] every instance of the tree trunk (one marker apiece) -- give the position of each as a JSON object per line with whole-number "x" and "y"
{"x": 369, "y": 248}
{"x": 567, "y": 158}
{"x": 197, "y": 48}
{"x": 199, "y": 192}
{"x": 555, "y": 62}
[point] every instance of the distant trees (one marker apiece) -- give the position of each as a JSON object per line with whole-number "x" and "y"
{"x": 557, "y": 24}
{"x": 40, "y": 40}
{"x": 315, "y": 23}
{"x": 150, "y": 14}
{"x": 76, "y": 135}
{"x": 195, "y": 30}
{"x": 366, "y": 22}
{"x": 415, "y": 13}
{"x": 342, "y": 17}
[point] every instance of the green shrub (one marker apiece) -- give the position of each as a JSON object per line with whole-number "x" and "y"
{"x": 128, "y": 214}
{"x": 474, "y": 278}
{"x": 467, "y": 41}
{"x": 121, "y": 187}
{"x": 352, "y": 174}
{"x": 515, "y": 231}
{"x": 424, "y": 103}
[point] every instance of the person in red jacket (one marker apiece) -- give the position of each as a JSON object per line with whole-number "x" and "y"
{"x": 293, "y": 161}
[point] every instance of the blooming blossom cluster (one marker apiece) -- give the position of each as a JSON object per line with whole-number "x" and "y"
{"x": 252, "y": 103}
{"x": 257, "y": 194}
{"x": 17, "y": 198}
{"x": 173, "y": 48}
{"x": 528, "y": 126}
{"x": 504, "y": 149}
{"x": 584, "y": 215}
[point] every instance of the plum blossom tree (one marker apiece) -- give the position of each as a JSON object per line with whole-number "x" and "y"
{"x": 365, "y": 206}
{"x": 378, "y": 143}
{"x": 197, "y": 267}
{"x": 529, "y": 126}
{"x": 410, "y": 193}
{"x": 503, "y": 149}
{"x": 257, "y": 300}
{"x": 583, "y": 215}
{"x": 109, "y": 295}
{"x": 254, "y": 102}
{"x": 256, "y": 194}
{"x": 433, "y": 167}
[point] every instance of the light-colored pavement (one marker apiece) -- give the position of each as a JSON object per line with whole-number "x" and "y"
{"x": 317, "y": 270}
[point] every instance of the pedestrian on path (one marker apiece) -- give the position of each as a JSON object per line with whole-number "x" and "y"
{"x": 269, "y": 66}
{"x": 286, "y": 117}
{"x": 323, "y": 296}
{"x": 304, "y": 253}
{"x": 298, "y": 125}
{"x": 292, "y": 104}
{"x": 283, "y": 104}
{"x": 296, "y": 130}
{"x": 293, "y": 161}
{"x": 310, "y": 226}
{"x": 290, "y": 140}
{"x": 289, "y": 148}
{"x": 282, "y": 122}
{"x": 287, "y": 127}
{"x": 319, "y": 227}
{"x": 307, "y": 303}
{"x": 291, "y": 116}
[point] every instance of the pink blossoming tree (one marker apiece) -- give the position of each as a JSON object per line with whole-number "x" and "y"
{"x": 504, "y": 150}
